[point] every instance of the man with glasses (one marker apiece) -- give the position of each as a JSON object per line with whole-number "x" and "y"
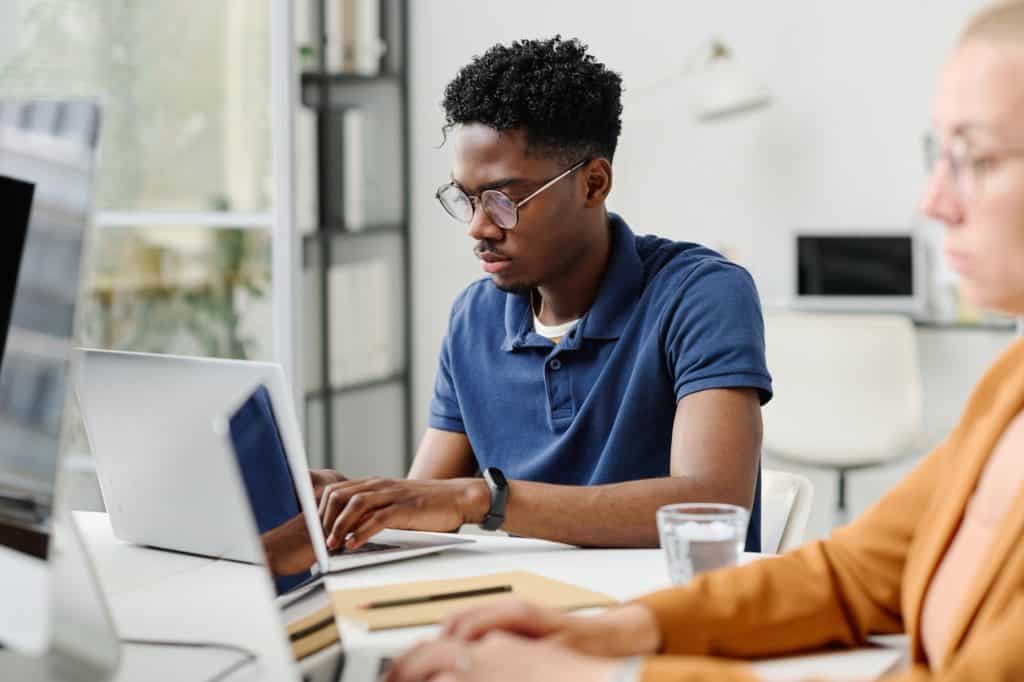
{"x": 593, "y": 375}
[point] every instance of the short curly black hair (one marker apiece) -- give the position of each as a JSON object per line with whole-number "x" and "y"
{"x": 568, "y": 103}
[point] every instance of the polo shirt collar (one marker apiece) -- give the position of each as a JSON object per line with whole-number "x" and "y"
{"x": 620, "y": 288}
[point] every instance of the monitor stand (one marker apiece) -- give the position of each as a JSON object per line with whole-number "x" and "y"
{"x": 83, "y": 643}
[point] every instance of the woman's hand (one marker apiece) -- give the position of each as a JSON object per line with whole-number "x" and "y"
{"x": 624, "y": 631}
{"x": 498, "y": 657}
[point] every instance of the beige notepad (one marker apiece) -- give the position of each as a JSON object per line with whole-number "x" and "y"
{"x": 350, "y": 604}
{"x": 313, "y": 633}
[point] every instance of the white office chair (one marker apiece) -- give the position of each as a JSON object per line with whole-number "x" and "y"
{"x": 847, "y": 391}
{"x": 785, "y": 508}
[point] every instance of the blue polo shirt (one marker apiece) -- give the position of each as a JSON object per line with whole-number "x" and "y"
{"x": 670, "y": 319}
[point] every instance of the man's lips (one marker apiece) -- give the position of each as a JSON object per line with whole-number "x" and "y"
{"x": 492, "y": 262}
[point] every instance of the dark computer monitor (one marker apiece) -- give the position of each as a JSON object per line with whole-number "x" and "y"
{"x": 54, "y": 623}
{"x": 16, "y": 200}
{"x": 876, "y": 271}
{"x": 855, "y": 265}
{"x": 47, "y": 159}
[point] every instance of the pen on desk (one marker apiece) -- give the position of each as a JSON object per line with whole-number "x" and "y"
{"x": 440, "y": 596}
{"x": 312, "y": 628}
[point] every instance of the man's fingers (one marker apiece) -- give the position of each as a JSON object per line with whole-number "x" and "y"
{"x": 337, "y": 495}
{"x": 356, "y": 511}
{"x": 335, "y": 487}
{"x": 321, "y": 478}
{"x": 371, "y": 524}
{"x": 334, "y": 499}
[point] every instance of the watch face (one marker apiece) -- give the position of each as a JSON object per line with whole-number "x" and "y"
{"x": 497, "y": 477}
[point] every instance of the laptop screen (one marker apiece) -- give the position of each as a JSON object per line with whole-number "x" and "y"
{"x": 268, "y": 481}
{"x": 306, "y": 611}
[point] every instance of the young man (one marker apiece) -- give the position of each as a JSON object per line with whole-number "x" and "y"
{"x": 592, "y": 375}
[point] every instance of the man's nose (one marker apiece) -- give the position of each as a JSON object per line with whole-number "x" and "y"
{"x": 481, "y": 227}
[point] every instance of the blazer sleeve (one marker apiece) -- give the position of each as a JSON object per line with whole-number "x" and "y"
{"x": 995, "y": 654}
{"x": 836, "y": 591}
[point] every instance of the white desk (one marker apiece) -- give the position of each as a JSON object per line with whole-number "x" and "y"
{"x": 164, "y": 595}
{"x": 154, "y": 594}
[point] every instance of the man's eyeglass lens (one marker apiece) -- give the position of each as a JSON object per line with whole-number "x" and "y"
{"x": 495, "y": 204}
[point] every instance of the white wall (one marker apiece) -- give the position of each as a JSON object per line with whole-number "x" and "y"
{"x": 852, "y": 83}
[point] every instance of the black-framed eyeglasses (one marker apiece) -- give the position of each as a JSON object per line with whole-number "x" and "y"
{"x": 499, "y": 207}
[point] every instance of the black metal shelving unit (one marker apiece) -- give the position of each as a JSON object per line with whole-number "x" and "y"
{"x": 385, "y": 96}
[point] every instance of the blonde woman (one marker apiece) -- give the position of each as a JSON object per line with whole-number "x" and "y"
{"x": 940, "y": 557}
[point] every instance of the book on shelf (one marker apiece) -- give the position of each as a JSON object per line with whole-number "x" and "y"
{"x": 352, "y": 33}
{"x": 353, "y": 169}
{"x": 362, "y": 343}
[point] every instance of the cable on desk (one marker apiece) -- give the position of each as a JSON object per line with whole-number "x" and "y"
{"x": 248, "y": 656}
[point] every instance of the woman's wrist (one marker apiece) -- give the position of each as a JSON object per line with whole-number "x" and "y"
{"x": 639, "y": 628}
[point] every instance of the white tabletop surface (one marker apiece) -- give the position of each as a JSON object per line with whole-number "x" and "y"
{"x": 167, "y": 595}
{"x": 154, "y": 594}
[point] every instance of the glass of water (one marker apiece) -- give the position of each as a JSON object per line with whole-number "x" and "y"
{"x": 700, "y": 537}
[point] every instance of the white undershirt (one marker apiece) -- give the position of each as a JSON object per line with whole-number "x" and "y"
{"x": 554, "y": 332}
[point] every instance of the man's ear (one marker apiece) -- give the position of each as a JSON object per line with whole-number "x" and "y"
{"x": 597, "y": 179}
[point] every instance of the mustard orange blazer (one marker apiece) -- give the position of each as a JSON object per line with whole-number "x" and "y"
{"x": 870, "y": 577}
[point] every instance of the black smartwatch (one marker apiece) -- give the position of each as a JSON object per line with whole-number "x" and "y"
{"x": 499, "y": 498}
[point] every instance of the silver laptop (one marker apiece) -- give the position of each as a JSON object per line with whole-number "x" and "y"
{"x": 261, "y": 430}
{"x": 255, "y": 436}
{"x": 167, "y": 477}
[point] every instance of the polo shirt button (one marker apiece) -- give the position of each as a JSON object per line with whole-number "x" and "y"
{"x": 555, "y": 364}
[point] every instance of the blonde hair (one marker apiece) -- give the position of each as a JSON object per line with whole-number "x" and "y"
{"x": 1002, "y": 22}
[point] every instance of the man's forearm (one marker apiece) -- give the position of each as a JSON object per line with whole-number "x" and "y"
{"x": 615, "y": 515}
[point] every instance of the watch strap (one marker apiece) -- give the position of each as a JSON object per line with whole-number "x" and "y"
{"x": 496, "y": 483}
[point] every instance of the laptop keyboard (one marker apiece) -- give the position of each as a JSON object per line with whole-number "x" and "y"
{"x": 368, "y": 547}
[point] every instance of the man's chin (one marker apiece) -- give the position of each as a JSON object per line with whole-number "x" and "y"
{"x": 514, "y": 288}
